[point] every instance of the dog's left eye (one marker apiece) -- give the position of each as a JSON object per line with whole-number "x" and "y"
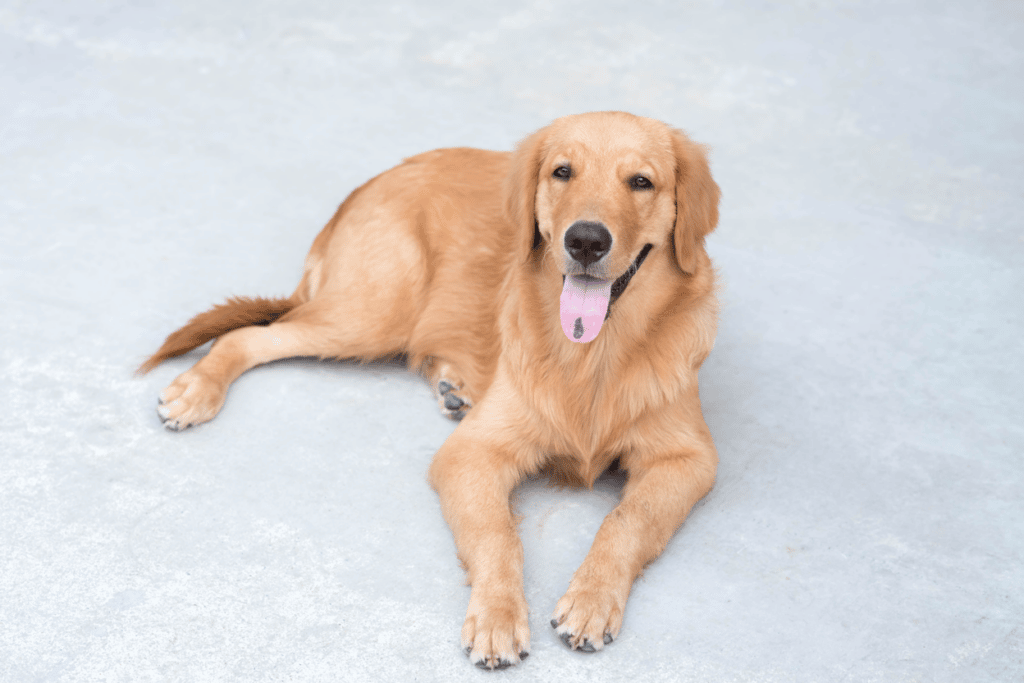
{"x": 562, "y": 172}
{"x": 639, "y": 182}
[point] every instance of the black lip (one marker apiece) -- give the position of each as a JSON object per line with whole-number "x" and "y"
{"x": 619, "y": 286}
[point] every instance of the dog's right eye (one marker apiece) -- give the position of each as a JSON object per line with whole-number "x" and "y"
{"x": 562, "y": 172}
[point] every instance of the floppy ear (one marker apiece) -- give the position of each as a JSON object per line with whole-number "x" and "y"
{"x": 696, "y": 200}
{"x": 521, "y": 186}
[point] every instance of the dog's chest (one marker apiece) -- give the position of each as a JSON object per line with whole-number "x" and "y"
{"x": 589, "y": 414}
{"x": 582, "y": 431}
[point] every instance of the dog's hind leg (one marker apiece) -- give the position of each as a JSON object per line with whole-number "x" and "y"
{"x": 453, "y": 395}
{"x": 198, "y": 394}
{"x": 312, "y": 329}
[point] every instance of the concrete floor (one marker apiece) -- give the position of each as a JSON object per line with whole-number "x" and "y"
{"x": 865, "y": 393}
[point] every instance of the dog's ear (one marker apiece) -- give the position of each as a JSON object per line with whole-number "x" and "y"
{"x": 521, "y": 186}
{"x": 696, "y": 200}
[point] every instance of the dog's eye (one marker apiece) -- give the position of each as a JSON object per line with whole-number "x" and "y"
{"x": 638, "y": 182}
{"x": 562, "y": 172}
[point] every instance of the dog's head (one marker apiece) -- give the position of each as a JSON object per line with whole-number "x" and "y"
{"x": 602, "y": 191}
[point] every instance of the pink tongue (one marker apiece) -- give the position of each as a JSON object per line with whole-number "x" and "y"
{"x": 584, "y": 305}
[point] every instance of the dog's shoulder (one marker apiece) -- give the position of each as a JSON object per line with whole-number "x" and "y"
{"x": 460, "y": 162}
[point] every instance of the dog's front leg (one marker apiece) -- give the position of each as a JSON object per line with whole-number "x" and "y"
{"x": 474, "y": 478}
{"x": 658, "y": 495}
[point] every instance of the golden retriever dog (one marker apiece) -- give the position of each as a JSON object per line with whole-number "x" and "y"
{"x": 560, "y": 302}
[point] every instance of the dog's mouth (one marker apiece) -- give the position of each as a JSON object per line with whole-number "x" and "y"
{"x": 586, "y": 300}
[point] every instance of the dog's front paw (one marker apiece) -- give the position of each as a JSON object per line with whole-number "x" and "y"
{"x": 189, "y": 400}
{"x": 496, "y": 634}
{"x": 589, "y": 617}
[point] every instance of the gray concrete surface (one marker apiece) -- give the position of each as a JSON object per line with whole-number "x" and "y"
{"x": 865, "y": 393}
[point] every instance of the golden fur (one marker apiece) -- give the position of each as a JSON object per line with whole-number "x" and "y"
{"x": 455, "y": 258}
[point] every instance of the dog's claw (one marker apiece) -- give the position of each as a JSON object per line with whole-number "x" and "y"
{"x": 502, "y": 664}
{"x": 488, "y": 664}
{"x": 163, "y": 413}
{"x": 585, "y": 646}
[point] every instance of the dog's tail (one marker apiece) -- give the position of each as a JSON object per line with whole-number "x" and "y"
{"x": 236, "y": 312}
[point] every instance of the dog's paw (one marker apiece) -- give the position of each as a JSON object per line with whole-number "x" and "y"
{"x": 587, "y": 619}
{"x": 189, "y": 400}
{"x": 496, "y": 635}
{"x": 454, "y": 403}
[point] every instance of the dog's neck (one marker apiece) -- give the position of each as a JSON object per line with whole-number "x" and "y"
{"x": 593, "y": 393}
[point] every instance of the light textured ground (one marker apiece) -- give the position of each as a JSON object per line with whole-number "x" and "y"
{"x": 865, "y": 393}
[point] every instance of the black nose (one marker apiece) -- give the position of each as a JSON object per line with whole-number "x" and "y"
{"x": 587, "y": 241}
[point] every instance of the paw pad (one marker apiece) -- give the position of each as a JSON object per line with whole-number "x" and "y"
{"x": 452, "y": 404}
